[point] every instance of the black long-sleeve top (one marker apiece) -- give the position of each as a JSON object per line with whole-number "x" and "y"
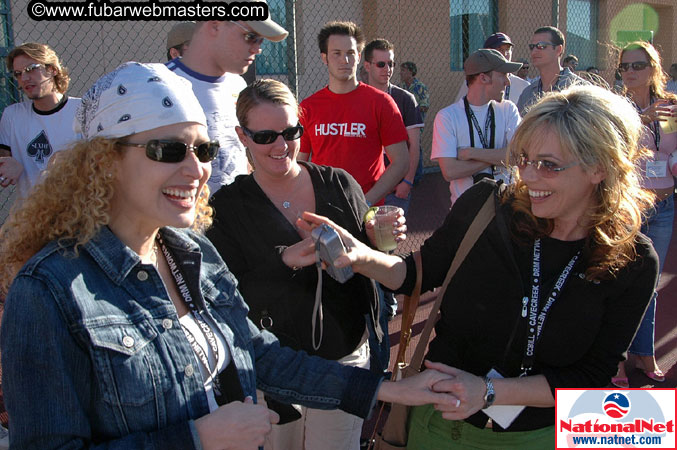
{"x": 481, "y": 327}
{"x": 250, "y": 233}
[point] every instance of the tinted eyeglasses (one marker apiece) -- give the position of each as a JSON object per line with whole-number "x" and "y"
{"x": 636, "y": 66}
{"x": 545, "y": 168}
{"x": 269, "y": 136}
{"x": 175, "y": 151}
{"x": 28, "y": 69}
{"x": 382, "y": 64}
{"x": 251, "y": 37}
{"x": 540, "y": 45}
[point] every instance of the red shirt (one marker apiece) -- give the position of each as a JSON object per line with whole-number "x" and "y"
{"x": 350, "y": 130}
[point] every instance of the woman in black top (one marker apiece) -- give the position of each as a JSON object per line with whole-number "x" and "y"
{"x": 254, "y": 224}
{"x": 573, "y": 218}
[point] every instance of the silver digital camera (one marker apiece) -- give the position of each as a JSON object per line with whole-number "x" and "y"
{"x": 330, "y": 246}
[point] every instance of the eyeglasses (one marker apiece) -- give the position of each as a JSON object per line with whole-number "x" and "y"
{"x": 382, "y": 64}
{"x": 28, "y": 69}
{"x": 270, "y": 136}
{"x": 544, "y": 167}
{"x": 175, "y": 151}
{"x": 250, "y": 37}
{"x": 540, "y": 45}
{"x": 636, "y": 66}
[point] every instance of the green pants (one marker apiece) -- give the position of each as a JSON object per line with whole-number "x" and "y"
{"x": 429, "y": 431}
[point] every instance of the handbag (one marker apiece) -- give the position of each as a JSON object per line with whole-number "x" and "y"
{"x": 395, "y": 434}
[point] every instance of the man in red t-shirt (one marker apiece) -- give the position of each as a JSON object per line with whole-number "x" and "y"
{"x": 348, "y": 124}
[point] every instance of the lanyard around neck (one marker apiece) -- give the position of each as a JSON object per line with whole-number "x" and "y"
{"x": 486, "y": 138}
{"x": 203, "y": 325}
{"x": 535, "y": 318}
{"x": 554, "y": 84}
{"x": 655, "y": 127}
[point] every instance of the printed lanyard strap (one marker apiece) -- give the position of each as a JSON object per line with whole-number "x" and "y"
{"x": 204, "y": 327}
{"x": 489, "y": 125}
{"x": 536, "y": 319}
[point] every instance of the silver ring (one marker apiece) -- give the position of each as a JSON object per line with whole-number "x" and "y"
{"x": 458, "y": 402}
{"x": 3, "y": 178}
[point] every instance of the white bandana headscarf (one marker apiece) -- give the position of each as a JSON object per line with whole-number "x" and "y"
{"x": 136, "y": 97}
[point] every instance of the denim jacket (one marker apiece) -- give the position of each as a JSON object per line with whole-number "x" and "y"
{"x": 93, "y": 354}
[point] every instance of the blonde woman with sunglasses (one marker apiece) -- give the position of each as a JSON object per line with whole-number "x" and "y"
{"x": 552, "y": 292}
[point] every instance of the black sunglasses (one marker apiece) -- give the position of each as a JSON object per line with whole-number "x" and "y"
{"x": 382, "y": 64}
{"x": 540, "y": 45}
{"x": 175, "y": 151}
{"x": 250, "y": 37}
{"x": 269, "y": 136}
{"x": 636, "y": 66}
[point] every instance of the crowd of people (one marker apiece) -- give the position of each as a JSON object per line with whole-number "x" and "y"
{"x": 161, "y": 275}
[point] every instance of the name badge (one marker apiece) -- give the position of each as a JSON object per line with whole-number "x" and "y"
{"x": 656, "y": 169}
{"x": 504, "y": 415}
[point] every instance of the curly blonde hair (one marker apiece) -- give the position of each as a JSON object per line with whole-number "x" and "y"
{"x": 71, "y": 203}
{"x": 601, "y": 130}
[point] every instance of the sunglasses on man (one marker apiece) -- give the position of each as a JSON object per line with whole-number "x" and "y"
{"x": 269, "y": 136}
{"x": 636, "y": 66}
{"x": 250, "y": 37}
{"x": 174, "y": 151}
{"x": 541, "y": 45}
{"x": 382, "y": 64}
{"x": 28, "y": 69}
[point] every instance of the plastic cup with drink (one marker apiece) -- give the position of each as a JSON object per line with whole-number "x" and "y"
{"x": 385, "y": 217}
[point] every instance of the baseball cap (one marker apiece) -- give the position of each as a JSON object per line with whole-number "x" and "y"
{"x": 486, "y": 60}
{"x": 180, "y": 33}
{"x": 497, "y": 39}
{"x": 266, "y": 28}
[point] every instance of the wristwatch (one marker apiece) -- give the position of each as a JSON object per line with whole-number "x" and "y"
{"x": 490, "y": 396}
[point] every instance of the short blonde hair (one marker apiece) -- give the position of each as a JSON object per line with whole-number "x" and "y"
{"x": 601, "y": 130}
{"x": 263, "y": 91}
{"x": 71, "y": 203}
{"x": 44, "y": 55}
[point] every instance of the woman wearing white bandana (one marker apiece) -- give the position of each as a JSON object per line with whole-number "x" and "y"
{"x": 123, "y": 329}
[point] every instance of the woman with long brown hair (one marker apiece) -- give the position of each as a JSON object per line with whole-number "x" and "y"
{"x": 644, "y": 84}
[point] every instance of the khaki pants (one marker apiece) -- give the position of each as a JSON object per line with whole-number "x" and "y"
{"x": 319, "y": 429}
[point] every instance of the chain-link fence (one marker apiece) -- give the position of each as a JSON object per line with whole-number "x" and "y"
{"x": 437, "y": 35}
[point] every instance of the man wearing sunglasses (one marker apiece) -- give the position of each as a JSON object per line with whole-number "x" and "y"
{"x": 348, "y": 124}
{"x": 547, "y": 47}
{"x": 34, "y": 130}
{"x": 379, "y": 61}
{"x": 218, "y": 54}
{"x": 470, "y": 136}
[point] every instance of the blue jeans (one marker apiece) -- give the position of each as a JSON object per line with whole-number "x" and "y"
{"x": 658, "y": 227}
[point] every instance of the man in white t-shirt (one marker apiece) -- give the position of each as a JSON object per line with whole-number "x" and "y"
{"x": 470, "y": 136}
{"x": 34, "y": 130}
{"x": 219, "y": 52}
{"x": 501, "y": 42}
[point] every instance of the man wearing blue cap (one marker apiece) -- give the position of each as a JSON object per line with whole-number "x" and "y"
{"x": 501, "y": 42}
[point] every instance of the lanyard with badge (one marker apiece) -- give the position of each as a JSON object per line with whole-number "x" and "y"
{"x": 203, "y": 325}
{"x": 654, "y": 169}
{"x": 530, "y": 306}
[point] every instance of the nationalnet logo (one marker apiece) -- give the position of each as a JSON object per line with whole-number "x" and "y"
{"x": 605, "y": 418}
